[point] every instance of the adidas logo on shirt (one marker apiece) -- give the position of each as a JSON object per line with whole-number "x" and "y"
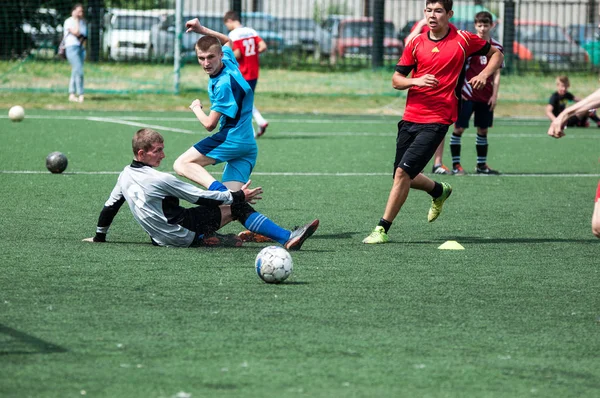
{"x": 435, "y": 50}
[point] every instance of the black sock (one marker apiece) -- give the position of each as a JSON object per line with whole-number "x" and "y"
{"x": 437, "y": 190}
{"x": 385, "y": 224}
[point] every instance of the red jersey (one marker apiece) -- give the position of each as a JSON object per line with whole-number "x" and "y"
{"x": 246, "y": 40}
{"x": 475, "y": 65}
{"x": 445, "y": 60}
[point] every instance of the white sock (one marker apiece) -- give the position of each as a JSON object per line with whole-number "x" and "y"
{"x": 258, "y": 117}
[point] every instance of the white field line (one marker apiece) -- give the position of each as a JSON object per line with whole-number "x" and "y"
{"x": 308, "y": 120}
{"x": 136, "y": 124}
{"x": 317, "y": 174}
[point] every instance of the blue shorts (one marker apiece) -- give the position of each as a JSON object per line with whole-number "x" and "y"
{"x": 484, "y": 117}
{"x": 239, "y": 158}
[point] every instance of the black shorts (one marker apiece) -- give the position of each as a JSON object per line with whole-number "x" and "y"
{"x": 202, "y": 220}
{"x": 416, "y": 144}
{"x": 484, "y": 117}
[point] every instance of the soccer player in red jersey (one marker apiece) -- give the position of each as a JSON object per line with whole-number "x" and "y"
{"x": 556, "y": 130}
{"x": 435, "y": 59}
{"x": 247, "y": 45}
{"x": 479, "y": 102}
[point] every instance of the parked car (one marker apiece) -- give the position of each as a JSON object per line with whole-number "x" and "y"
{"x": 330, "y": 28}
{"x": 585, "y": 33}
{"x": 547, "y": 44}
{"x": 44, "y": 28}
{"x": 162, "y": 35}
{"x": 354, "y": 39}
{"x": 127, "y": 33}
{"x": 267, "y": 27}
{"x": 300, "y": 34}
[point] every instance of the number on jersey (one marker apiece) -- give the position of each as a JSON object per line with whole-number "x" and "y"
{"x": 249, "y": 47}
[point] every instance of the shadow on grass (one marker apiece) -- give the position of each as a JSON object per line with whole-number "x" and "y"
{"x": 38, "y": 346}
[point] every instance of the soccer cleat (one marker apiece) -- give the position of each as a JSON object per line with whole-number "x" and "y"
{"x": 262, "y": 130}
{"x": 436, "y": 204}
{"x": 486, "y": 170}
{"x": 377, "y": 236}
{"x": 249, "y": 236}
{"x": 218, "y": 240}
{"x": 441, "y": 169}
{"x": 458, "y": 170}
{"x": 299, "y": 235}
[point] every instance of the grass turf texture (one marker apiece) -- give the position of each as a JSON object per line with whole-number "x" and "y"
{"x": 514, "y": 314}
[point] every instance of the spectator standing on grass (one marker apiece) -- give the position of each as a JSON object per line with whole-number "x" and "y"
{"x": 234, "y": 144}
{"x": 479, "y": 102}
{"x": 75, "y": 35}
{"x": 436, "y": 60}
{"x": 559, "y": 100}
{"x": 247, "y": 46}
{"x": 153, "y": 198}
{"x": 556, "y": 130}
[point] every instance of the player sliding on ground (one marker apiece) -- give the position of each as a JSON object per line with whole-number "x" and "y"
{"x": 153, "y": 198}
{"x": 435, "y": 59}
{"x": 231, "y": 101}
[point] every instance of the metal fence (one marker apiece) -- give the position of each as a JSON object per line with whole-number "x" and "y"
{"x": 544, "y": 35}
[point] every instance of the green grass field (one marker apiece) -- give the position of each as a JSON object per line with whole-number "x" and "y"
{"x": 515, "y": 314}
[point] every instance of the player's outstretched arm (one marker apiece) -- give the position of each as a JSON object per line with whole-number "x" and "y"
{"x": 194, "y": 25}
{"x": 209, "y": 121}
{"x": 556, "y": 129}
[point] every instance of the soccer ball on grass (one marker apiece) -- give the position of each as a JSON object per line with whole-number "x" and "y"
{"x": 56, "y": 162}
{"x": 16, "y": 113}
{"x": 274, "y": 264}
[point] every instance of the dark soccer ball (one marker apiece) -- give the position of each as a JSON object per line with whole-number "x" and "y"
{"x": 56, "y": 162}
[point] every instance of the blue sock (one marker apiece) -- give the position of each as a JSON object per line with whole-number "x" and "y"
{"x": 217, "y": 186}
{"x": 260, "y": 224}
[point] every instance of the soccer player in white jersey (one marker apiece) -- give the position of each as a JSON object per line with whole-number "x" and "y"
{"x": 153, "y": 198}
{"x": 247, "y": 45}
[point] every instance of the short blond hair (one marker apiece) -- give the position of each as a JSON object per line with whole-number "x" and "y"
{"x": 564, "y": 80}
{"x": 143, "y": 139}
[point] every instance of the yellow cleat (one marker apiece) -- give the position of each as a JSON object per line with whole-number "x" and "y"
{"x": 377, "y": 236}
{"x": 436, "y": 204}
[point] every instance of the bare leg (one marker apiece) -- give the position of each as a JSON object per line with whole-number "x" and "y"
{"x": 191, "y": 165}
{"x": 596, "y": 218}
{"x": 398, "y": 195}
{"x": 439, "y": 153}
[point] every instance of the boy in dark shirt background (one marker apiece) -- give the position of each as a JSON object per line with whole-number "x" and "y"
{"x": 559, "y": 100}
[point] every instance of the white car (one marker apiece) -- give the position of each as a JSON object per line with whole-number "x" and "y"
{"x": 127, "y": 33}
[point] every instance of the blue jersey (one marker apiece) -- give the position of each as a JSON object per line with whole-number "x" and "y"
{"x": 230, "y": 95}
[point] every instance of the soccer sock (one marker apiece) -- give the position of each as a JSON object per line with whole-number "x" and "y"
{"x": 385, "y": 224}
{"x": 455, "y": 149}
{"x": 258, "y": 117}
{"x": 481, "y": 144}
{"x": 437, "y": 190}
{"x": 217, "y": 186}
{"x": 260, "y": 224}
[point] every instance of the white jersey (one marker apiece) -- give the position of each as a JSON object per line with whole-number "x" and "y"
{"x": 153, "y": 198}
{"x": 70, "y": 39}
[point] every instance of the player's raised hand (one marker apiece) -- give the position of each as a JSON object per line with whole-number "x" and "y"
{"x": 196, "y": 103}
{"x": 252, "y": 195}
{"x": 426, "y": 81}
{"x": 193, "y": 25}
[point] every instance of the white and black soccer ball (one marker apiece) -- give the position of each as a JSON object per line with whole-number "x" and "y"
{"x": 16, "y": 113}
{"x": 56, "y": 162}
{"x": 274, "y": 264}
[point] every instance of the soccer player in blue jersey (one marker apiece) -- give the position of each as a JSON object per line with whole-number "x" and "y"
{"x": 234, "y": 144}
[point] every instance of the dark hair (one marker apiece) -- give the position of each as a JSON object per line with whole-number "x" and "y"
{"x": 484, "y": 17}
{"x": 446, "y": 3}
{"x": 233, "y": 15}
{"x": 77, "y": 5}
{"x": 144, "y": 139}
{"x": 206, "y": 42}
